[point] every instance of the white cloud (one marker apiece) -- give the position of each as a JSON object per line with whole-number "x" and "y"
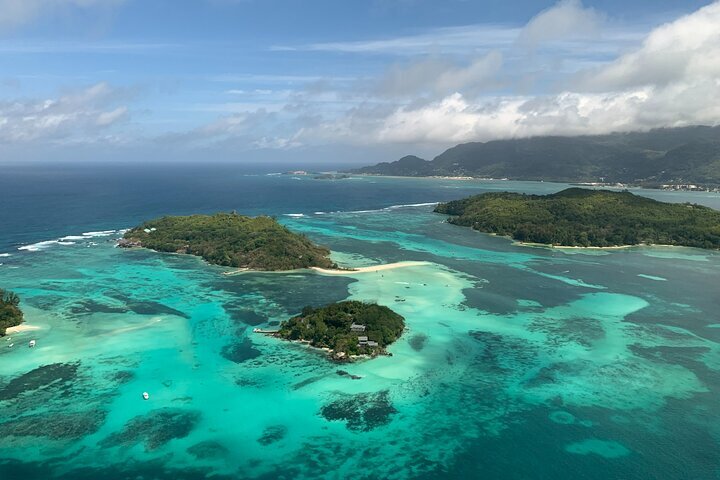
{"x": 568, "y": 19}
{"x": 441, "y": 76}
{"x": 80, "y": 115}
{"x": 465, "y": 39}
{"x": 445, "y": 91}
{"x": 14, "y": 13}
{"x": 685, "y": 51}
{"x": 671, "y": 79}
{"x": 105, "y": 119}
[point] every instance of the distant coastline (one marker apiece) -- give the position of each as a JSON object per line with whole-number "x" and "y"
{"x": 680, "y": 158}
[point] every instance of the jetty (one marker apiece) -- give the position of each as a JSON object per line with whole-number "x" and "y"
{"x": 266, "y": 332}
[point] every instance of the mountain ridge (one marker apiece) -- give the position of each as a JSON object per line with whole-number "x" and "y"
{"x": 652, "y": 158}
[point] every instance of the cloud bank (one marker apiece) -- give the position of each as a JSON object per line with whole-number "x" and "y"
{"x": 671, "y": 79}
{"x": 80, "y": 116}
{"x": 570, "y": 70}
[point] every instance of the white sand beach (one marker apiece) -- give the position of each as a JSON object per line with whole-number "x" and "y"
{"x": 374, "y": 268}
{"x": 23, "y": 327}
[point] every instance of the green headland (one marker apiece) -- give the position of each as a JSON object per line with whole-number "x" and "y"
{"x": 232, "y": 240}
{"x": 10, "y": 313}
{"x": 579, "y": 217}
{"x": 347, "y": 329}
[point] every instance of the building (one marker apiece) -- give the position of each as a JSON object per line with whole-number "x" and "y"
{"x": 370, "y": 343}
{"x": 357, "y": 327}
{"x": 363, "y": 340}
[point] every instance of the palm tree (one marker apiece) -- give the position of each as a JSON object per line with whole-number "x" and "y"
{"x": 9, "y": 297}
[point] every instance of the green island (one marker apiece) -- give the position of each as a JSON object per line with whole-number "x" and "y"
{"x": 10, "y": 313}
{"x": 232, "y": 240}
{"x": 578, "y": 217}
{"x": 346, "y": 329}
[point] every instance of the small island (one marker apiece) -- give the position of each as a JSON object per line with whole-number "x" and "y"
{"x": 331, "y": 176}
{"x": 578, "y": 217}
{"x": 346, "y": 329}
{"x": 10, "y": 313}
{"x": 231, "y": 240}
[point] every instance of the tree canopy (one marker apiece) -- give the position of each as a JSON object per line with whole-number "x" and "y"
{"x": 10, "y": 313}
{"x": 583, "y": 217}
{"x": 232, "y": 240}
{"x": 330, "y": 326}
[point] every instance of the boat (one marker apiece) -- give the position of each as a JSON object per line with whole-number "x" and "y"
{"x": 10, "y": 346}
{"x": 146, "y": 395}
{"x": 31, "y": 344}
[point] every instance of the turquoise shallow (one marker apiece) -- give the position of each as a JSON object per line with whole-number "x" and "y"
{"x": 517, "y": 362}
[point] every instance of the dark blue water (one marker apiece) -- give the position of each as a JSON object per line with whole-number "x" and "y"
{"x": 40, "y": 203}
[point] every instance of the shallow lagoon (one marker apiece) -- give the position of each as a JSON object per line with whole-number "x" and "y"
{"x": 517, "y": 363}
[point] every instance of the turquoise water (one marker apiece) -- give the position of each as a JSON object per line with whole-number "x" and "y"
{"x": 517, "y": 362}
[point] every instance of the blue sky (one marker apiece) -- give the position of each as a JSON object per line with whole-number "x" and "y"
{"x": 341, "y": 81}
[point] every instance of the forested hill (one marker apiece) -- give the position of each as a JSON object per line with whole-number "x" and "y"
{"x": 584, "y": 218}
{"x": 661, "y": 156}
{"x": 232, "y": 240}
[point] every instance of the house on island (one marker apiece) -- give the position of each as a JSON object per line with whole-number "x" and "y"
{"x": 357, "y": 327}
{"x": 364, "y": 342}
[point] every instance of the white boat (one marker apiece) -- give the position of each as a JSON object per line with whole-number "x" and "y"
{"x": 146, "y": 395}
{"x": 31, "y": 344}
{"x": 10, "y": 346}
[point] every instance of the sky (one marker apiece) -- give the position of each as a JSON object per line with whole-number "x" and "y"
{"x": 341, "y": 81}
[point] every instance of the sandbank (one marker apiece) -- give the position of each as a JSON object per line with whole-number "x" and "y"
{"x": 374, "y": 268}
{"x": 23, "y": 327}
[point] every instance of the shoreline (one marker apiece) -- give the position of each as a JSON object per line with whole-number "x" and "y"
{"x": 374, "y": 268}
{"x": 332, "y": 271}
{"x": 23, "y": 327}
{"x": 570, "y": 247}
{"x": 707, "y": 188}
{"x": 326, "y": 352}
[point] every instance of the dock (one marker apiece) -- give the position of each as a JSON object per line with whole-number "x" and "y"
{"x": 266, "y": 332}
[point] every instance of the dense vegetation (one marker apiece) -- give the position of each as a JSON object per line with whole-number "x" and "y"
{"x": 232, "y": 240}
{"x": 10, "y": 313}
{"x": 663, "y": 156}
{"x": 330, "y": 327}
{"x": 582, "y": 217}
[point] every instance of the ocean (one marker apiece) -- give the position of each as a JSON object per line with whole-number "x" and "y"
{"x": 517, "y": 362}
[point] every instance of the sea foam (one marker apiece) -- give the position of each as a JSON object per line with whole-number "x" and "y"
{"x": 66, "y": 240}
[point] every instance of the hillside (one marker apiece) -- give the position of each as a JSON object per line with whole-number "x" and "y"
{"x": 232, "y": 240}
{"x": 661, "y": 156}
{"x": 584, "y": 218}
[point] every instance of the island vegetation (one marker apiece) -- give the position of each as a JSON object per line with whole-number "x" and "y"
{"x": 331, "y": 176}
{"x": 347, "y": 329}
{"x": 10, "y": 313}
{"x": 580, "y": 217}
{"x": 232, "y": 240}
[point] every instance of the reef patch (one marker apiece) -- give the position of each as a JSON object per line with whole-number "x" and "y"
{"x": 155, "y": 429}
{"x": 362, "y": 412}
